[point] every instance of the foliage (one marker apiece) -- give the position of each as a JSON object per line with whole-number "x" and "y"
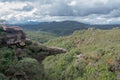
{"x": 30, "y": 67}
{"x": 40, "y": 36}
{"x": 10, "y": 65}
{"x": 92, "y": 55}
{"x": 7, "y": 57}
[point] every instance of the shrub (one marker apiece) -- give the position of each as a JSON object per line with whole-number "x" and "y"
{"x": 30, "y": 67}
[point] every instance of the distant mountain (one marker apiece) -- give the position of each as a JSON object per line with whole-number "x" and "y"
{"x": 105, "y": 26}
{"x": 61, "y": 28}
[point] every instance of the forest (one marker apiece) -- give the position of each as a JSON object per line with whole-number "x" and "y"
{"x": 91, "y": 54}
{"x": 59, "y": 39}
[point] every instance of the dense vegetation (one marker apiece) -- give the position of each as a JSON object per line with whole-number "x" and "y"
{"x": 20, "y": 64}
{"x": 92, "y": 55}
{"x": 40, "y": 36}
{"x": 21, "y": 58}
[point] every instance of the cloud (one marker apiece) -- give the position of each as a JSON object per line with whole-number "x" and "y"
{"x": 27, "y": 7}
{"x": 17, "y": 12}
{"x": 90, "y": 11}
{"x": 78, "y": 7}
{"x": 16, "y": 0}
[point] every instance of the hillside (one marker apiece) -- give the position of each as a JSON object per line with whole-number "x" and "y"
{"x": 20, "y": 57}
{"x": 62, "y": 28}
{"x": 40, "y": 36}
{"x": 91, "y": 55}
{"x": 59, "y": 28}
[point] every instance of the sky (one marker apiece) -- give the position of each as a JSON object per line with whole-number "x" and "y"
{"x": 87, "y": 11}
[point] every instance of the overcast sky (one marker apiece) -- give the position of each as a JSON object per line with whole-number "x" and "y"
{"x": 89, "y": 11}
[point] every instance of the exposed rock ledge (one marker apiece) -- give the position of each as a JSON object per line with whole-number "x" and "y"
{"x": 15, "y": 36}
{"x": 11, "y": 35}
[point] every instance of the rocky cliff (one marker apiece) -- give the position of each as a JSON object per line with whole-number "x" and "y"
{"x": 12, "y": 35}
{"x": 15, "y": 36}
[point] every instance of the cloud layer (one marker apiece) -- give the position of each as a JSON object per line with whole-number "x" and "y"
{"x": 90, "y": 11}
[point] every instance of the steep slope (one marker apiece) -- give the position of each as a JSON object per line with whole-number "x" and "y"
{"x": 21, "y": 58}
{"x": 92, "y": 55}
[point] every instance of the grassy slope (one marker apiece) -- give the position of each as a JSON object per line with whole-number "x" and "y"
{"x": 40, "y": 36}
{"x": 91, "y": 55}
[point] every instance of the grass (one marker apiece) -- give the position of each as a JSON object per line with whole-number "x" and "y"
{"x": 91, "y": 55}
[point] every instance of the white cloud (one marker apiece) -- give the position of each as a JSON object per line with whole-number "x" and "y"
{"x": 10, "y": 11}
{"x": 72, "y": 3}
{"x": 91, "y": 11}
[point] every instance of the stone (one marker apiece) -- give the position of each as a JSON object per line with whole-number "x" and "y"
{"x": 13, "y": 35}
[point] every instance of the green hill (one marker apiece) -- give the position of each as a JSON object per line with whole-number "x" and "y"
{"x": 91, "y": 55}
{"x": 40, "y": 36}
{"x": 61, "y": 28}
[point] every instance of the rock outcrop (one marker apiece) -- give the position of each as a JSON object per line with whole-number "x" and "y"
{"x": 12, "y": 35}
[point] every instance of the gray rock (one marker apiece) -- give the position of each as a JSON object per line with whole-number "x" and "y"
{"x": 13, "y": 35}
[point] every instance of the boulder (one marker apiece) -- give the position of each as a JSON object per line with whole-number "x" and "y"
{"x": 13, "y": 35}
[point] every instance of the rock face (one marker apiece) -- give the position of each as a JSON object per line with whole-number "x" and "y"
{"x": 41, "y": 52}
{"x": 12, "y": 35}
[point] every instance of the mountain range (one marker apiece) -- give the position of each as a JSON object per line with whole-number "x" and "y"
{"x": 62, "y": 28}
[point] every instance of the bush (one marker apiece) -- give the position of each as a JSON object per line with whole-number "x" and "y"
{"x": 30, "y": 67}
{"x": 7, "y": 57}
